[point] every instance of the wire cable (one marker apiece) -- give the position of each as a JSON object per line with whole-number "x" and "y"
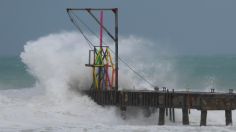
{"x": 89, "y": 29}
{"x": 132, "y": 68}
{"x": 76, "y": 24}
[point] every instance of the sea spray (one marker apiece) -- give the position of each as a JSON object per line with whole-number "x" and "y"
{"x": 61, "y": 58}
{"x": 57, "y": 63}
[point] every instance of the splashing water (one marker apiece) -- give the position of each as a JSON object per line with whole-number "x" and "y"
{"x": 57, "y": 63}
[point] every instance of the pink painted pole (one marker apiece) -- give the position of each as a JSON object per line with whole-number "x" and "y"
{"x": 101, "y": 25}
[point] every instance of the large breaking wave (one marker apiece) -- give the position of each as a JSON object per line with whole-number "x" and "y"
{"x": 54, "y": 104}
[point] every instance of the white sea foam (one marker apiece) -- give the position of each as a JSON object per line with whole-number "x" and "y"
{"x": 57, "y": 62}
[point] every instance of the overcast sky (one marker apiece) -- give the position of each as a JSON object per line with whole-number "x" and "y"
{"x": 187, "y": 26}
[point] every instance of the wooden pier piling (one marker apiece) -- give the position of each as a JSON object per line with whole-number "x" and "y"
{"x": 185, "y": 116}
{"x": 203, "y": 117}
{"x": 170, "y": 114}
{"x": 161, "y": 116}
{"x": 173, "y": 114}
{"x": 228, "y": 117}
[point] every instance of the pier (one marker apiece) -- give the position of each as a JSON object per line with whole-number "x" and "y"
{"x": 166, "y": 101}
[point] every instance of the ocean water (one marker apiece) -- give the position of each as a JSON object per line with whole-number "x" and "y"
{"x": 14, "y": 74}
{"x": 198, "y": 73}
{"x": 37, "y": 88}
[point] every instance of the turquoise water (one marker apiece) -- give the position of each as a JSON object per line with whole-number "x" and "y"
{"x": 205, "y": 72}
{"x": 191, "y": 72}
{"x": 13, "y": 74}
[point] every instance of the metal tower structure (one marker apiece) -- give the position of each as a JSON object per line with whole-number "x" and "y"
{"x": 105, "y": 72}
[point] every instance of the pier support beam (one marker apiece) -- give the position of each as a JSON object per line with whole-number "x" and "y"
{"x": 228, "y": 117}
{"x": 123, "y": 112}
{"x": 203, "y": 117}
{"x": 173, "y": 114}
{"x": 185, "y": 116}
{"x": 170, "y": 114}
{"x": 161, "y": 116}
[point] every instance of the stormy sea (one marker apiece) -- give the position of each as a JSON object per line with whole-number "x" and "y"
{"x": 40, "y": 88}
